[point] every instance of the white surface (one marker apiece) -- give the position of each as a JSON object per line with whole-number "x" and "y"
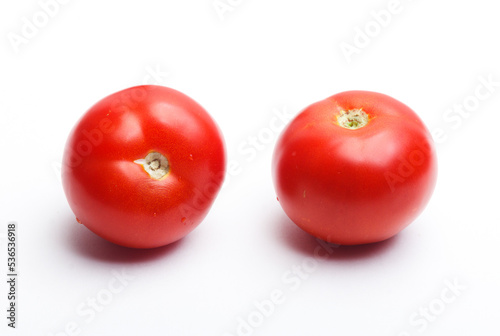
{"x": 265, "y": 56}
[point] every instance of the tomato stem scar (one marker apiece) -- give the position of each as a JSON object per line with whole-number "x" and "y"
{"x": 155, "y": 164}
{"x": 352, "y": 119}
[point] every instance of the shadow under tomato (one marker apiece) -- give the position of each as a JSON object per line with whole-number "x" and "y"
{"x": 306, "y": 244}
{"x": 89, "y": 245}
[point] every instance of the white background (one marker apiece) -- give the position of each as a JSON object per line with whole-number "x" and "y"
{"x": 257, "y": 60}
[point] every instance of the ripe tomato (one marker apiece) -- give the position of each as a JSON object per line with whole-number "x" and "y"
{"x": 355, "y": 168}
{"x": 143, "y": 166}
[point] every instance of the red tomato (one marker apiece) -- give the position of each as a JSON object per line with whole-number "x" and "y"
{"x": 355, "y": 168}
{"x": 143, "y": 166}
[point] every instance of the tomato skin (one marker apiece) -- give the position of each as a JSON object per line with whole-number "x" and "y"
{"x": 114, "y": 196}
{"x": 354, "y": 186}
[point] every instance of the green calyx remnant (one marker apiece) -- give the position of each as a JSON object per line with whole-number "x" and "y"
{"x": 352, "y": 119}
